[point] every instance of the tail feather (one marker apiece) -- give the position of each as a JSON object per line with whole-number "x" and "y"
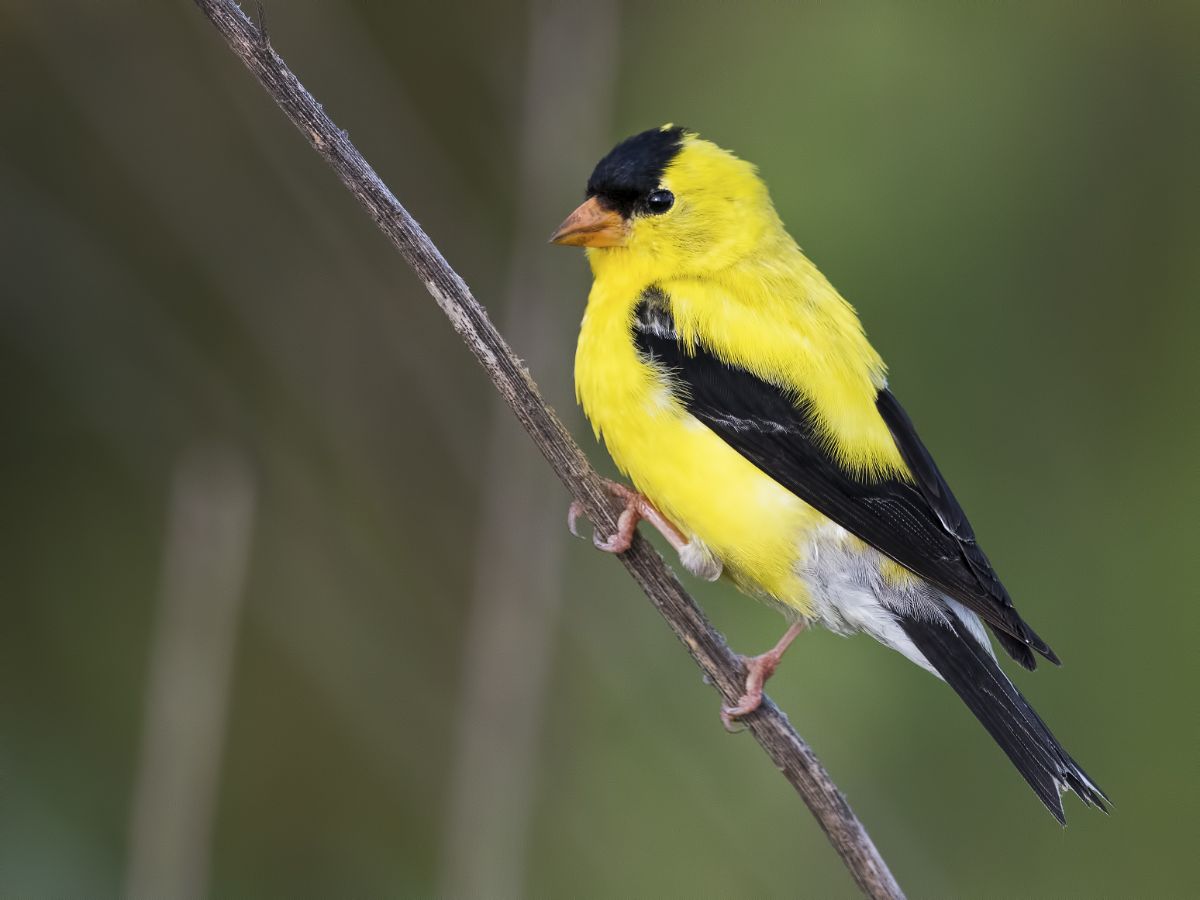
{"x": 1023, "y": 652}
{"x": 970, "y": 669}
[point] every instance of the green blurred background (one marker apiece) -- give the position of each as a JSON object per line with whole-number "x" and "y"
{"x": 288, "y": 606}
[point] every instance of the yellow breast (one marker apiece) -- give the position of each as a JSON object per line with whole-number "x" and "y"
{"x": 757, "y": 528}
{"x": 709, "y": 490}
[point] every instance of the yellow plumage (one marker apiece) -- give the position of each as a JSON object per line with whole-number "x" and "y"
{"x": 735, "y": 388}
{"x": 760, "y": 304}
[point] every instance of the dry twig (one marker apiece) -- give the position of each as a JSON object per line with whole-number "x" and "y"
{"x": 513, "y": 615}
{"x": 722, "y": 667}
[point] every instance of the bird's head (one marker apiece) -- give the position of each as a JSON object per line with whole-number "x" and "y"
{"x": 670, "y": 199}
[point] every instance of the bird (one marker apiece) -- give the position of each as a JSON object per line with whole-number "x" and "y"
{"x": 737, "y": 391}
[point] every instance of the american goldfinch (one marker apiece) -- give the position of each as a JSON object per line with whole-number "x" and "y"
{"x": 738, "y": 392}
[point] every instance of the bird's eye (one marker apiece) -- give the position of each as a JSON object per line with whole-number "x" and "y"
{"x": 660, "y": 201}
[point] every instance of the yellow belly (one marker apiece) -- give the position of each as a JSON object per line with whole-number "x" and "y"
{"x": 757, "y": 528}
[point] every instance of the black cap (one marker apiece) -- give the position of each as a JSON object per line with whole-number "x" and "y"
{"x": 633, "y": 169}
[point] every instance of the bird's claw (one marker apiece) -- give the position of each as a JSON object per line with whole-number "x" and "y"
{"x": 622, "y": 539}
{"x": 729, "y": 718}
{"x": 758, "y": 670}
{"x": 693, "y": 555}
{"x": 614, "y": 543}
{"x": 574, "y": 511}
{"x": 730, "y": 715}
{"x": 632, "y": 513}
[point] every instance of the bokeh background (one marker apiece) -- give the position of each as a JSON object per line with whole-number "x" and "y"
{"x": 288, "y": 605}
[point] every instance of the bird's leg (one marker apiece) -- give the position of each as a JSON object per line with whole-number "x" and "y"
{"x": 758, "y": 670}
{"x": 638, "y": 508}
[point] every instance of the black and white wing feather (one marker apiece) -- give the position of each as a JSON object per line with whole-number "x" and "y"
{"x": 918, "y": 524}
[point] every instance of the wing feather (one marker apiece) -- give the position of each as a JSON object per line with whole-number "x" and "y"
{"x": 919, "y": 524}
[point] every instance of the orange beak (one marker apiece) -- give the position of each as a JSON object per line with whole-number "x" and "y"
{"x": 591, "y": 225}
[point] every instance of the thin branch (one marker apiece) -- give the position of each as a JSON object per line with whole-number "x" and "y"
{"x": 514, "y": 610}
{"x": 722, "y": 667}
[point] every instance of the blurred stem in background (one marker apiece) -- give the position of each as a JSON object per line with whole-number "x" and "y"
{"x": 209, "y": 531}
{"x": 514, "y": 608}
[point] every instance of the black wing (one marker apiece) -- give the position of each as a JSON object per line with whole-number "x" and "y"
{"x": 920, "y": 525}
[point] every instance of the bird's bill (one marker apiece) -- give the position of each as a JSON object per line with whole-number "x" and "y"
{"x": 591, "y": 225}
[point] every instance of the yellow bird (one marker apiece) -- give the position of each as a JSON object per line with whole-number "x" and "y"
{"x": 738, "y": 392}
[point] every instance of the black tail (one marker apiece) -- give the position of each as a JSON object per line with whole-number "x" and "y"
{"x": 973, "y": 673}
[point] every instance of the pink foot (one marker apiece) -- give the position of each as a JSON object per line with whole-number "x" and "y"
{"x": 758, "y": 670}
{"x": 637, "y": 508}
{"x": 694, "y": 556}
